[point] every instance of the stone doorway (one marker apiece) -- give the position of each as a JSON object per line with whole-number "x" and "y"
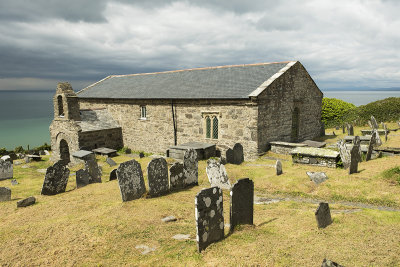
{"x": 295, "y": 125}
{"x": 64, "y": 151}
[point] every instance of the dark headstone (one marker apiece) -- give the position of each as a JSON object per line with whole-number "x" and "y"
{"x": 82, "y": 178}
{"x": 278, "y": 167}
{"x": 354, "y": 158}
{"x": 357, "y": 142}
{"x": 141, "y": 155}
{"x": 157, "y": 177}
{"x": 56, "y": 179}
{"x": 350, "y": 129}
{"x": 371, "y": 146}
{"x": 370, "y": 125}
{"x": 94, "y": 171}
{"x": 26, "y": 202}
{"x": 217, "y": 175}
{"x": 190, "y": 167}
{"x": 238, "y": 156}
{"x": 176, "y": 175}
{"x": 14, "y": 182}
{"x": 229, "y": 156}
{"x": 113, "y": 175}
{"x": 209, "y": 217}
{"x": 5, "y": 194}
{"x": 329, "y": 263}
{"x": 323, "y": 215}
{"x": 374, "y": 123}
{"x": 6, "y": 170}
{"x": 128, "y": 151}
{"x": 111, "y": 162}
{"x": 317, "y": 177}
{"x": 343, "y": 128}
{"x": 242, "y": 203}
{"x": 130, "y": 180}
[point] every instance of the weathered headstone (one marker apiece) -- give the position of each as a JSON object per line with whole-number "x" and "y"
{"x": 354, "y": 158}
{"x": 26, "y": 202}
{"x": 386, "y": 131}
{"x": 378, "y": 140}
{"x": 229, "y": 156}
{"x": 323, "y": 215}
{"x": 157, "y": 177}
{"x": 209, "y": 217}
{"x": 350, "y": 129}
{"x": 113, "y": 175}
{"x": 190, "y": 167}
{"x": 343, "y": 128}
{"x": 371, "y": 145}
{"x": 238, "y": 156}
{"x": 374, "y": 123}
{"x": 14, "y": 182}
{"x": 56, "y": 179}
{"x": 329, "y": 263}
{"x": 370, "y": 125}
{"x": 278, "y": 167}
{"x": 344, "y": 154}
{"x": 357, "y": 142}
{"x": 317, "y": 177}
{"x": 5, "y": 194}
{"x": 130, "y": 180}
{"x": 94, "y": 171}
{"x": 82, "y": 178}
{"x": 217, "y": 175}
{"x": 242, "y": 203}
{"x": 6, "y": 170}
{"x": 110, "y": 162}
{"x": 176, "y": 176}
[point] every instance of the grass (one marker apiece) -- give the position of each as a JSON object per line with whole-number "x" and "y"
{"x": 92, "y": 226}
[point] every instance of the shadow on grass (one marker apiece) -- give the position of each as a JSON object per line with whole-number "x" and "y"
{"x": 267, "y": 222}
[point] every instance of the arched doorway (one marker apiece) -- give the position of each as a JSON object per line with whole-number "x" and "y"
{"x": 295, "y": 125}
{"x": 64, "y": 151}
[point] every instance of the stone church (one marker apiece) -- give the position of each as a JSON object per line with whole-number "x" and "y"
{"x": 250, "y": 104}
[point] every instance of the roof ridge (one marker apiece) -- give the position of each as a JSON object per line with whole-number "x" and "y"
{"x": 191, "y": 69}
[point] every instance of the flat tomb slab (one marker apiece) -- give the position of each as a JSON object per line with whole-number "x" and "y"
{"x": 82, "y": 154}
{"x": 369, "y": 132}
{"x": 204, "y": 150}
{"x": 312, "y": 143}
{"x": 395, "y": 150}
{"x": 315, "y": 156}
{"x": 284, "y": 147}
{"x": 105, "y": 151}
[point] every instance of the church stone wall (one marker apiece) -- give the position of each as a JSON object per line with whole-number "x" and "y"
{"x": 111, "y": 138}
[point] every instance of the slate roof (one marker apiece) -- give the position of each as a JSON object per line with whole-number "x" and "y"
{"x": 95, "y": 120}
{"x": 226, "y": 82}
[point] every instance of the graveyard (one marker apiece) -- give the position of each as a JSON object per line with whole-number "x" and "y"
{"x": 92, "y": 225}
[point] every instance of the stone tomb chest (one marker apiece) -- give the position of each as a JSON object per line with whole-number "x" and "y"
{"x": 315, "y": 156}
{"x": 204, "y": 150}
{"x": 284, "y": 147}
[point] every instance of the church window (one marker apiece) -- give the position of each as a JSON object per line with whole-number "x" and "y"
{"x": 215, "y": 128}
{"x": 208, "y": 127}
{"x": 211, "y": 124}
{"x": 143, "y": 112}
{"x": 60, "y": 106}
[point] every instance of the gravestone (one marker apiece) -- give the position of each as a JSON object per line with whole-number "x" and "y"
{"x": 56, "y": 179}
{"x": 329, "y": 263}
{"x": 371, "y": 145}
{"x": 357, "y": 142}
{"x": 278, "y": 167}
{"x": 94, "y": 171}
{"x": 6, "y": 170}
{"x": 386, "y": 131}
{"x": 5, "y": 194}
{"x": 323, "y": 215}
{"x": 190, "y": 167}
{"x": 217, "y": 175}
{"x": 113, "y": 175}
{"x": 176, "y": 176}
{"x": 26, "y": 202}
{"x": 317, "y": 177}
{"x": 130, "y": 180}
{"x": 157, "y": 177}
{"x": 370, "y": 125}
{"x": 14, "y": 182}
{"x": 374, "y": 123}
{"x": 110, "y": 162}
{"x": 209, "y": 217}
{"x": 378, "y": 140}
{"x": 343, "y": 129}
{"x": 354, "y": 158}
{"x": 344, "y": 154}
{"x": 229, "y": 156}
{"x": 350, "y": 129}
{"x": 82, "y": 178}
{"x": 242, "y": 203}
{"x": 238, "y": 156}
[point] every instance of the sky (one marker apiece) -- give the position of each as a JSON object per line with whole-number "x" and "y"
{"x": 342, "y": 43}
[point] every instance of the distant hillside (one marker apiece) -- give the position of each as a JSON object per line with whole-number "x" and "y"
{"x": 362, "y": 89}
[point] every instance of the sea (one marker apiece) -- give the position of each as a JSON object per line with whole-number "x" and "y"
{"x": 25, "y": 116}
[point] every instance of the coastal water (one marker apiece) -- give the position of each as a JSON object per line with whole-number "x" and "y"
{"x": 25, "y": 116}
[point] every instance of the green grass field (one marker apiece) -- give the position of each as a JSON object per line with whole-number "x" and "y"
{"x": 91, "y": 226}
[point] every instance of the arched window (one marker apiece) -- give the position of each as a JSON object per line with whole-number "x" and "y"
{"x": 208, "y": 127}
{"x": 60, "y": 106}
{"x": 215, "y": 128}
{"x": 295, "y": 125}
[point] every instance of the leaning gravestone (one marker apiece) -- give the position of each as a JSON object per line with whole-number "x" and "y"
{"x": 190, "y": 167}
{"x": 350, "y": 129}
{"x": 176, "y": 176}
{"x": 157, "y": 177}
{"x": 378, "y": 140}
{"x": 217, "y": 175}
{"x": 56, "y": 179}
{"x": 278, "y": 167}
{"x": 238, "y": 156}
{"x": 323, "y": 215}
{"x": 94, "y": 171}
{"x": 6, "y": 170}
{"x": 130, "y": 180}
{"x": 113, "y": 175}
{"x": 82, "y": 178}
{"x": 317, "y": 177}
{"x": 374, "y": 123}
{"x": 344, "y": 154}
{"x": 242, "y": 203}
{"x": 5, "y": 194}
{"x": 371, "y": 145}
{"x": 26, "y": 202}
{"x": 354, "y": 158}
{"x": 110, "y": 162}
{"x": 209, "y": 217}
{"x": 229, "y": 156}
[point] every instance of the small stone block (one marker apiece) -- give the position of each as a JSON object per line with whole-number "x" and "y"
{"x": 278, "y": 167}
{"x": 26, "y": 202}
{"x": 111, "y": 162}
{"x": 169, "y": 219}
{"x": 323, "y": 215}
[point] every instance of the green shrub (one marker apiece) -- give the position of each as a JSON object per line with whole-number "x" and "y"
{"x": 392, "y": 175}
{"x": 334, "y": 110}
